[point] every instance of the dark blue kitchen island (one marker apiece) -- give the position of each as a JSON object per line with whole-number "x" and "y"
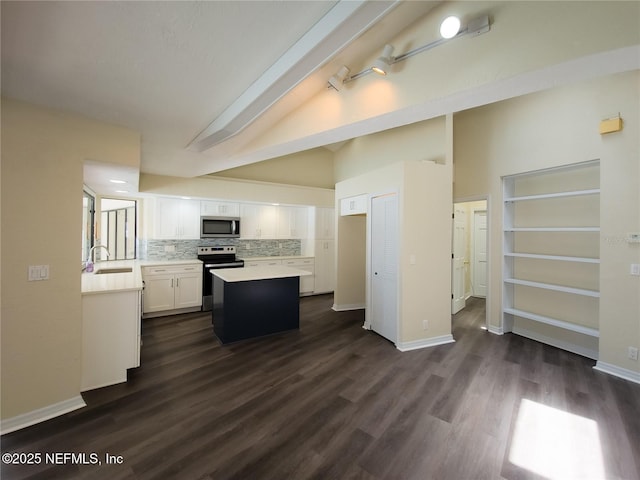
{"x": 255, "y": 301}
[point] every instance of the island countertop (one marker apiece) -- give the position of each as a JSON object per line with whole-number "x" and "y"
{"x": 258, "y": 273}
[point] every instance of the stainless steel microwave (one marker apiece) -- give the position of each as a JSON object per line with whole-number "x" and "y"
{"x": 219, "y": 227}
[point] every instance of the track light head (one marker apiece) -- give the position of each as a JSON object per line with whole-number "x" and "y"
{"x": 382, "y": 63}
{"x": 336, "y": 81}
{"x": 450, "y": 27}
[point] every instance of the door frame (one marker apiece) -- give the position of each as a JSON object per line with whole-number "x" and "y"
{"x": 489, "y": 297}
{"x": 472, "y": 259}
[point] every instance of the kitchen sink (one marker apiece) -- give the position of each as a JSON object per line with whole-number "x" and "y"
{"x": 102, "y": 271}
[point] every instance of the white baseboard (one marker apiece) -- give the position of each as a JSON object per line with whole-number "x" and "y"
{"x": 347, "y": 307}
{"x": 41, "y": 414}
{"x": 425, "y": 343}
{"x": 495, "y": 330}
{"x": 569, "y": 347}
{"x": 618, "y": 371}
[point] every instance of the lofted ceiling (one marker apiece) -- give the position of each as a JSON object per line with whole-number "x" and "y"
{"x": 181, "y": 73}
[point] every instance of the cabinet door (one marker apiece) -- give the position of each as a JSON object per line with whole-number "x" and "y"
{"x": 220, "y": 209}
{"x": 189, "y": 219}
{"x": 292, "y": 222}
{"x": 188, "y": 290}
{"x": 258, "y": 221}
{"x": 177, "y": 218}
{"x": 325, "y": 223}
{"x": 158, "y": 293}
{"x": 166, "y": 218}
{"x": 354, "y": 205}
{"x": 324, "y": 266}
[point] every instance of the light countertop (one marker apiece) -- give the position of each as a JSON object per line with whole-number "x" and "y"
{"x": 275, "y": 257}
{"x": 258, "y": 273}
{"x": 92, "y": 283}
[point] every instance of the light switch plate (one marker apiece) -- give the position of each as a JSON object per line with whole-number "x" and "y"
{"x": 38, "y": 273}
{"x": 635, "y": 269}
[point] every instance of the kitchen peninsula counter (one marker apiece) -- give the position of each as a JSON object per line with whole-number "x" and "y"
{"x": 255, "y": 301}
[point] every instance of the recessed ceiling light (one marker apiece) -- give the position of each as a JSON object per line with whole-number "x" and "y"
{"x": 117, "y": 181}
{"x": 186, "y": 198}
{"x": 122, "y": 191}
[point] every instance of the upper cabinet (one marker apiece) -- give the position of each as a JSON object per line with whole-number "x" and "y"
{"x": 356, "y": 205}
{"x": 273, "y": 221}
{"x": 258, "y": 221}
{"x": 325, "y": 223}
{"x": 219, "y": 209}
{"x": 293, "y": 222}
{"x": 174, "y": 218}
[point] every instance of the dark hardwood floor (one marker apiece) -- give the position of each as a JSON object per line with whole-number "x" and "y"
{"x": 334, "y": 401}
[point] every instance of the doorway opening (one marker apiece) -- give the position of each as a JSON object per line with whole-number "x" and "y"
{"x": 470, "y": 253}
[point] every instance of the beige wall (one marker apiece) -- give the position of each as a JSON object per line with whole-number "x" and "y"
{"x": 554, "y": 128}
{"x": 312, "y": 168}
{"x": 403, "y": 157}
{"x": 418, "y": 141}
{"x": 236, "y": 189}
{"x": 42, "y": 156}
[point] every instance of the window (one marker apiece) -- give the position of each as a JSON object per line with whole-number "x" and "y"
{"x": 88, "y": 224}
{"x": 118, "y": 229}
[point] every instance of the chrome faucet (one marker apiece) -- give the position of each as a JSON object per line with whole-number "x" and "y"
{"x": 92, "y": 253}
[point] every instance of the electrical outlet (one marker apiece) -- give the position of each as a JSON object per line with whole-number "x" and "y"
{"x": 633, "y": 353}
{"x": 635, "y": 269}
{"x": 425, "y": 324}
{"x": 169, "y": 248}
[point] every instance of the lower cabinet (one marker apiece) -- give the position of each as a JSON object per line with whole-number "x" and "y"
{"x": 307, "y": 282}
{"x": 172, "y": 289}
{"x": 110, "y": 337}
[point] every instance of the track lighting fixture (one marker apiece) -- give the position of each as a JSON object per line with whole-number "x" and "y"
{"x": 339, "y": 78}
{"x": 382, "y": 63}
{"x": 449, "y": 29}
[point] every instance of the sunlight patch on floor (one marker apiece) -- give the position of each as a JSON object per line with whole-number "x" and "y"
{"x": 556, "y": 444}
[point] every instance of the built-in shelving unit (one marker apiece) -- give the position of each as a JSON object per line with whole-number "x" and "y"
{"x": 551, "y": 225}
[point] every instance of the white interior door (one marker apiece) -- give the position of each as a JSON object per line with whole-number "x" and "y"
{"x": 480, "y": 253}
{"x": 459, "y": 243}
{"x": 384, "y": 266}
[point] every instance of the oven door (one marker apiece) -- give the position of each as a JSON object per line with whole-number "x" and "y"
{"x": 207, "y": 281}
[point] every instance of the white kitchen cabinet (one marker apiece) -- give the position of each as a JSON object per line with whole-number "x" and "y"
{"x": 258, "y": 221}
{"x": 219, "y": 209}
{"x": 308, "y": 265}
{"x": 172, "y": 289}
{"x": 324, "y": 250}
{"x": 110, "y": 337}
{"x": 262, "y": 262}
{"x": 176, "y": 218}
{"x": 293, "y": 222}
{"x": 324, "y": 223}
{"x": 324, "y": 266}
{"x": 356, "y": 205}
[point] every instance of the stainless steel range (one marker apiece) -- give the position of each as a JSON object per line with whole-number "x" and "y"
{"x": 213, "y": 258}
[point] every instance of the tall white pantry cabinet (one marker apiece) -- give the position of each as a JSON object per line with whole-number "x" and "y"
{"x": 551, "y": 230}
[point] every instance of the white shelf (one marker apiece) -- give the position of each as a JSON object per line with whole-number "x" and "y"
{"x": 551, "y": 229}
{"x": 556, "y": 288}
{"x": 542, "y": 196}
{"x": 560, "y": 258}
{"x": 592, "y": 332}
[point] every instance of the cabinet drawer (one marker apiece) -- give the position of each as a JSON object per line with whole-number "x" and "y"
{"x": 171, "y": 269}
{"x": 299, "y": 262}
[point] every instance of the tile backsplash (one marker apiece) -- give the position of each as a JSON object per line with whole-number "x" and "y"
{"x": 187, "y": 249}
